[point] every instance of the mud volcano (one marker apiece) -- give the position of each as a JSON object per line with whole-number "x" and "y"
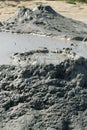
{"x": 43, "y": 20}
{"x": 41, "y": 96}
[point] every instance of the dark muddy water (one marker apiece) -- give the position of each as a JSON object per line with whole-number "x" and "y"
{"x": 12, "y": 43}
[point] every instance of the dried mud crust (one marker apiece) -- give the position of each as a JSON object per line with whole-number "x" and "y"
{"x": 43, "y": 20}
{"x": 44, "y": 97}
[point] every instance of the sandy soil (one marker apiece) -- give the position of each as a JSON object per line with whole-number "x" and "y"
{"x": 75, "y": 11}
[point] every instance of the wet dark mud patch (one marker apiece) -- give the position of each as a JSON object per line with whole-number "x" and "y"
{"x": 44, "y": 96}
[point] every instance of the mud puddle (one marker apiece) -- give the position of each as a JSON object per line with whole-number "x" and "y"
{"x": 14, "y": 43}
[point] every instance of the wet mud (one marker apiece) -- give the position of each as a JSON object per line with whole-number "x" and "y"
{"x": 41, "y": 94}
{"x": 43, "y": 97}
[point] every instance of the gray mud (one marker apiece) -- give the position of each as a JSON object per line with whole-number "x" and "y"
{"x": 44, "y": 97}
{"x": 14, "y": 43}
{"x": 59, "y": 49}
{"x": 44, "y": 20}
{"x": 36, "y": 94}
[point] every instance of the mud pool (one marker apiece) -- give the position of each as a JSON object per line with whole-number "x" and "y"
{"x": 14, "y": 43}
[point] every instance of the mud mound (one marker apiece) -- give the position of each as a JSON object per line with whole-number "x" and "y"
{"x": 44, "y": 20}
{"x": 44, "y": 97}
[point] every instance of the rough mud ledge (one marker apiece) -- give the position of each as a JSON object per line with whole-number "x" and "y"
{"x": 43, "y": 96}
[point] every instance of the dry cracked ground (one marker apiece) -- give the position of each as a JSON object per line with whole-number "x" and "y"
{"x": 44, "y": 96}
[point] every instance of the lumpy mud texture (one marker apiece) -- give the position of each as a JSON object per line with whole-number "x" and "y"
{"x": 44, "y": 97}
{"x": 45, "y": 21}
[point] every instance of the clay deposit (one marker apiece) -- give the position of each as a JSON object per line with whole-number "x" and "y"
{"x": 37, "y": 95}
